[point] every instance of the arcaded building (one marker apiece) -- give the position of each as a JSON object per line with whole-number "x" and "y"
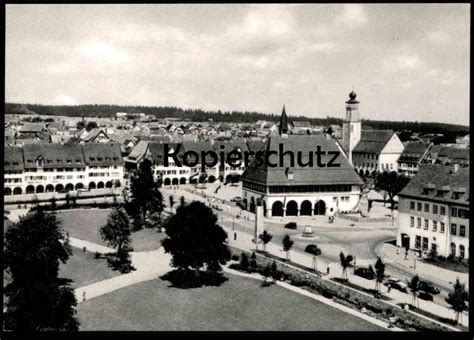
{"x": 290, "y": 189}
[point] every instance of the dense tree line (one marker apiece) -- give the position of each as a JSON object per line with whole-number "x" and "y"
{"x": 103, "y": 111}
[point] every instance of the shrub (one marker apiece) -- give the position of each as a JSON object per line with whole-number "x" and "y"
{"x": 291, "y": 225}
{"x": 97, "y": 255}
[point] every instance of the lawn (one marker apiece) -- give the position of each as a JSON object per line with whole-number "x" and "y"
{"x": 238, "y": 304}
{"x": 85, "y": 224}
{"x": 84, "y": 269}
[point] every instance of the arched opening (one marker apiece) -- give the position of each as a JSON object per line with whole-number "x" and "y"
{"x": 69, "y": 187}
{"x": 17, "y": 191}
{"x": 291, "y": 208}
{"x": 79, "y": 186}
{"x": 117, "y": 183}
{"x": 320, "y": 208}
{"x": 167, "y": 181}
{"x": 221, "y": 178}
{"x": 367, "y": 173}
{"x": 108, "y": 184}
{"x": 252, "y": 205}
{"x": 7, "y": 191}
{"x": 228, "y": 178}
{"x": 361, "y": 173}
{"x": 39, "y": 189}
{"x": 453, "y": 249}
{"x": 50, "y": 188}
{"x": 182, "y": 180}
{"x": 92, "y": 185}
{"x": 277, "y": 209}
{"x": 59, "y": 188}
{"x": 100, "y": 185}
{"x": 211, "y": 179}
{"x": 461, "y": 251}
{"x": 193, "y": 180}
{"x": 30, "y": 189}
{"x": 175, "y": 181}
{"x": 306, "y": 208}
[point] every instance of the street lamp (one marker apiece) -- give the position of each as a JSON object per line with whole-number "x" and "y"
{"x": 355, "y": 263}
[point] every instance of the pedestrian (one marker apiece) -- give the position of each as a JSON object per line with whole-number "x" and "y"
{"x": 327, "y": 270}
{"x": 235, "y": 236}
{"x": 389, "y": 288}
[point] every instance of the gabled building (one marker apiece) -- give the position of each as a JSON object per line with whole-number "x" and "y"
{"x": 446, "y": 155}
{"x": 434, "y": 211}
{"x": 411, "y": 158}
{"x": 289, "y": 189}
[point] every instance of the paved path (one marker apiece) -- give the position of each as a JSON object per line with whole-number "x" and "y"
{"x": 149, "y": 265}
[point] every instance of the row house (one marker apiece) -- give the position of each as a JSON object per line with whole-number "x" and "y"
{"x": 434, "y": 211}
{"x": 411, "y": 157}
{"x": 40, "y": 168}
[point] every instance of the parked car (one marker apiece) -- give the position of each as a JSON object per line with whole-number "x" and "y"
{"x": 366, "y": 273}
{"x": 396, "y": 284}
{"x": 425, "y": 296}
{"x": 428, "y": 287}
{"x": 236, "y": 199}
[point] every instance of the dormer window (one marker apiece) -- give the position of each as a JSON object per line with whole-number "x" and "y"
{"x": 289, "y": 174}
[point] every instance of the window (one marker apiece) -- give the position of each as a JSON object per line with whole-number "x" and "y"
{"x": 427, "y": 207}
{"x": 435, "y": 209}
{"x": 453, "y": 249}
{"x": 417, "y": 241}
{"x": 453, "y": 228}
{"x": 425, "y": 243}
{"x": 412, "y": 221}
{"x": 441, "y": 227}
{"x": 443, "y": 211}
{"x": 412, "y": 205}
{"x": 454, "y": 212}
{"x": 462, "y": 231}
{"x": 418, "y": 222}
{"x": 435, "y": 225}
{"x": 427, "y": 224}
{"x": 418, "y": 206}
{"x": 461, "y": 251}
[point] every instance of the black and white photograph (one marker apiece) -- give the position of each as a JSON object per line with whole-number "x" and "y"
{"x": 236, "y": 167}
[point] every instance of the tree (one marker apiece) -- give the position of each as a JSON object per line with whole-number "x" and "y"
{"x": 194, "y": 238}
{"x": 253, "y": 261}
{"x": 457, "y": 300}
{"x": 346, "y": 262}
{"x": 287, "y": 244}
{"x": 91, "y": 125}
{"x": 146, "y": 196}
{"x": 80, "y": 125}
{"x": 315, "y": 251}
{"x": 379, "y": 273}
{"x": 38, "y": 299}
{"x": 172, "y": 201}
{"x": 392, "y": 183}
{"x": 117, "y": 231}
{"x": 414, "y": 285}
{"x": 274, "y": 271}
{"x": 265, "y": 237}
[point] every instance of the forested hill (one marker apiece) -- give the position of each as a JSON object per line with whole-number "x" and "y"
{"x": 103, "y": 111}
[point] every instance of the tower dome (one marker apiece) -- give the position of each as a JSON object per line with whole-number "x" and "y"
{"x": 352, "y": 95}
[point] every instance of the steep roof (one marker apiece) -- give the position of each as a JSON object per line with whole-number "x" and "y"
{"x": 13, "y": 159}
{"x": 447, "y": 155}
{"x": 102, "y": 154}
{"x": 438, "y": 177}
{"x": 53, "y": 155}
{"x": 283, "y": 127}
{"x": 32, "y": 127}
{"x": 373, "y": 141}
{"x": 413, "y": 151}
{"x": 305, "y": 144}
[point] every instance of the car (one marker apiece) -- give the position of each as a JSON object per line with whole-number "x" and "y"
{"x": 396, "y": 284}
{"x": 236, "y": 199}
{"x": 425, "y": 296}
{"x": 366, "y": 273}
{"x": 428, "y": 287}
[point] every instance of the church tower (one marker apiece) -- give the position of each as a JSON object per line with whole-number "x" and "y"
{"x": 351, "y": 127}
{"x": 283, "y": 126}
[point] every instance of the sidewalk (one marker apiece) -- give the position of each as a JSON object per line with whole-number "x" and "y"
{"x": 244, "y": 241}
{"x": 388, "y": 253}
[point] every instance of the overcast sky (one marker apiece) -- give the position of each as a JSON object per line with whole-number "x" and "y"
{"x": 406, "y": 62}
